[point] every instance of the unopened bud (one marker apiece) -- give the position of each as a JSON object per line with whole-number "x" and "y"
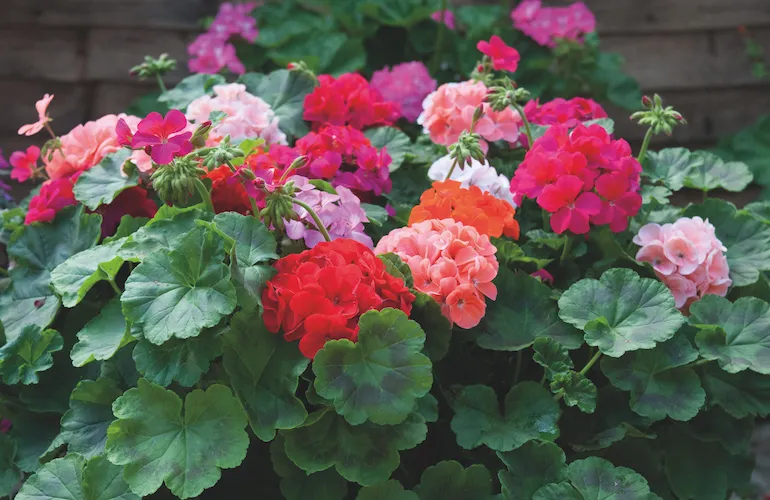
{"x": 290, "y": 66}
{"x": 478, "y": 113}
{"x": 298, "y": 162}
{"x": 247, "y": 174}
{"x": 480, "y": 68}
{"x": 646, "y": 102}
{"x": 677, "y": 116}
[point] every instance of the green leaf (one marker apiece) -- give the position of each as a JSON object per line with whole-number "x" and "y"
{"x": 366, "y": 454}
{"x": 710, "y": 172}
{"x": 740, "y": 395}
{"x": 31, "y": 352}
{"x": 349, "y": 58}
{"x": 159, "y": 443}
{"x": 318, "y": 50}
{"x": 606, "y": 123}
{"x": 264, "y": 372}
{"x": 395, "y": 141}
{"x": 449, "y": 480}
{"x": 552, "y": 356}
{"x": 128, "y": 226}
{"x": 389, "y": 490}
{"x": 297, "y": 485}
{"x": 621, "y": 312}
{"x": 577, "y": 389}
{"x": 16, "y": 314}
{"x": 73, "y": 278}
{"x": 595, "y": 477}
{"x": 182, "y": 360}
{"x": 285, "y": 92}
{"x": 376, "y": 214}
{"x": 249, "y": 282}
{"x": 671, "y": 166}
{"x": 74, "y": 478}
{"x": 42, "y": 247}
{"x": 531, "y": 467}
{"x": 661, "y": 194}
{"x": 510, "y": 254}
{"x": 660, "y": 384}
{"x": 102, "y": 183}
{"x": 254, "y": 243}
{"x": 530, "y": 413}
{"x": 438, "y": 331}
{"x": 513, "y": 325}
{"x": 189, "y": 89}
{"x": 380, "y": 377}
{"x": 402, "y": 13}
{"x": 9, "y": 473}
{"x": 84, "y": 426}
{"x": 160, "y": 233}
{"x": 747, "y": 239}
{"x": 760, "y": 210}
{"x": 427, "y": 406}
{"x": 397, "y": 267}
{"x": 736, "y": 334}
{"x": 558, "y": 491}
{"x": 101, "y": 338}
{"x": 179, "y": 293}
{"x": 34, "y": 434}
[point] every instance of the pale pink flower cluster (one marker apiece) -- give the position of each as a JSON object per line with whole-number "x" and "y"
{"x": 482, "y": 175}
{"x": 406, "y": 84}
{"x": 546, "y": 25}
{"x": 687, "y": 256}
{"x": 246, "y": 115}
{"x": 448, "y": 111}
{"x": 212, "y": 51}
{"x": 449, "y": 261}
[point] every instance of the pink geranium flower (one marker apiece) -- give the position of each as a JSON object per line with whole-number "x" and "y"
{"x": 571, "y": 208}
{"x": 123, "y": 131}
{"x": 160, "y": 135}
{"x": 503, "y": 57}
{"x": 449, "y": 18}
{"x": 42, "y": 117}
{"x": 24, "y": 163}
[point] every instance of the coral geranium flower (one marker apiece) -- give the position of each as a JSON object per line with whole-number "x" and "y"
{"x": 42, "y": 117}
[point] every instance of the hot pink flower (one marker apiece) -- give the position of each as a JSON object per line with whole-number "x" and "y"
{"x": 571, "y": 208}
{"x": 42, "y": 117}
{"x": 406, "y": 84}
{"x": 503, "y": 57}
{"x": 160, "y": 135}
{"x": 24, "y": 163}
{"x": 54, "y": 195}
{"x": 449, "y": 18}
{"x": 546, "y": 25}
{"x": 619, "y": 202}
{"x": 543, "y": 276}
{"x": 124, "y": 133}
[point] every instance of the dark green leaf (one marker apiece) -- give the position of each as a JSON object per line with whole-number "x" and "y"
{"x": 182, "y": 360}
{"x": 31, "y": 352}
{"x": 710, "y": 172}
{"x": 254, "y": 243}
{"x": 73, "y": 278}
{"x": 9, "y": 473}
{"x": 402, "y": 13}
{"x": 159, "y": 234}
{"x": 84, "y": 426}
{"x": 102, "y": 183}
{"x": 376, "y": 214}
{"x": 296, "y": 485}
{"x": 531, "y": 467}
{"x": 285, "y": 92}
{"x": 742, "y": 394}
{"x": 34, "y": 311}
{"x": 451, "y": 481}
{"x": 597, "y": 478}
{"x": 395, "y": 141}
{"x": 438, "y": 331}
{"x": 189, "y": 89}
{"x": 101, "y": 338}
{"x": 389, "y": 490}
{"x": 552, "y": 356}
{"x": 397, "y": 267}
{"x": 671, "y": 166}
{"x": 577, "y": 389}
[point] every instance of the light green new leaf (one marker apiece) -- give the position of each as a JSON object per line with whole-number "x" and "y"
{"x": 84, "y": 426}
{"x": 621, "y": 312}
{"x": 74, "y": 478}
{"x": 16, "y": 314}
{"x": 395, "y": 141}
{"x": 285, "y": 92}
{"x": 366, "y": 454}
{"x": 389, "y": 490}
{"x": 659, "y": 383}
{"x": 9, "y": 473}
{"x": 157, "y": 441}
{"x": 254, "y": 243}
{"x": 577, "y": 389}
{"x": 449, "y": 480}
{"x": 530, "y": 413}
{"x": 179, "y": 293}
{"x": 711, "y": 172}
{"x": 380, "y": 377}
{"x": 73, "y": 278}
{"x": 182, "y": 360}
{"x": 513, "y": 325}
{"x": 438, "y": 331}
{"x": 128, "y": 226}
{"x": 31, "y": 352}
{"x": 101, "y": 338}
{"x": 102, "y": 183}
{"x": 264, "y": 372}
{"x": 552, "y": 356}
{"x": 159, "y": 234}
{"x": 736, "y": 334}
{"x": 531, "y": 467}
{"x": 297, "y": 485}
{"x": 671, "y": 166}
{"x": 741, "y": 394}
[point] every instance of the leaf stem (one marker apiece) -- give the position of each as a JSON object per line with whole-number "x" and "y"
{"x": 700, "y": 362}
{"x": 115, "y": 287}
{"x": 591, "y": 362}
{"x": 566, "y": 250}
{"x": 527, "y": 129}
{"x": 205, "y": 195}
{"x": 452, "y": 169}
{"x": 160, "y": 83}
{"x": 316, "y": 219}
{"x": 254, "y": 208}
{"x": 439, "y": 39}
{"x": 645, "y": 145}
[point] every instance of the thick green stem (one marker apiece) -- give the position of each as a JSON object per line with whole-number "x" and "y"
{"x": 527, "y": 128}
{"x": 645, "y": 145}
{"x": 452, "y": 168}
{"x": 436, "y": 61}
{"x": 115, "y": 287}
{"x": 316, "y": 219}
{"x": 566, "y": 250}
{"x": 591, "y": 362}
{"x": 254, "y": 208}
{"x": 160, "y": 83}
{"x": 204, "y": 193}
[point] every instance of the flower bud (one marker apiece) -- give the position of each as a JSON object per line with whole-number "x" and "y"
{"x": 646, "y": 102}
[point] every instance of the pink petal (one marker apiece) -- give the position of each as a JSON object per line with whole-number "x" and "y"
{"x": 560, "y": 221}
{"x": 174, "y": 121}
{"x": 589, "y": 204}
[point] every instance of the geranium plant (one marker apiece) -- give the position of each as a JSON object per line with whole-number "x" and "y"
{"x": 275, "y": 287}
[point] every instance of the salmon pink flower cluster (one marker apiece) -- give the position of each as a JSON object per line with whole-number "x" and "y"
{"x": 448, "y": 112}
{"x": 348, "y": 100}
{"x": 688, "y": 258}
{"x": 581, "y": 177}
{"x": 471, "y": 206}
{"x": 246, "y": 116}
{"x": 406, "y": 84}
{"x": 451, "y": 262}
{"x": 546, "y": 25}
{"x": 212, "y": 51}
{"x": 569, "y": 112}
{"x": 482, "y": 175}
{"x": 319, "y": 294}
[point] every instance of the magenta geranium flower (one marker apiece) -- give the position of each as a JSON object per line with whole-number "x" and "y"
{"x": 571, "y": 208}
{"x": 24, "y": 163}
{"x": 160, "y": 135}
{"x": 503, "y": 57}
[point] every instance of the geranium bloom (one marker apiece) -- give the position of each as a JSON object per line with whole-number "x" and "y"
{"x": 482, "y": 175}
{"x": 503, "y": 57}
{"x": 348, "y": 100}
{"x": 562, "y": 111}
{"x": 406, "y": 84}
{"x": 161, "y": 135}
{"x": 571, "y": 208}
{"x": 133, "y": 202}
{"x": 227, "y": 191}
{"x": 687, "y": 257}
{"x": 319, "y": 294}
{"x": 211, "y": 51}
{"x": 546, "y": 25}
{"x": 471, "y": 206}
{"x": 543, "y": 276}
{"x": 448, "y": 112}
{"x": 24, "y": 163}
{"x": 449, "y": 261}
{"x": 54, "y": 195}
{"x": 42, "y": 117}
{"x": 449, "y": 18}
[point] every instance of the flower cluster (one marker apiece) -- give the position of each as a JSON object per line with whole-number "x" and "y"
{"x": 54, "y": 195}
{"x": 580, "y": 177}
{"x": 134, "y": 201}
{"x": 448, "y": 112}
{"x": 406, "y": 84}
{"x": 546, "y": 25}
{"x": 482, "y": 175}
{"x": 161, "y": 137}
{"x": 348, "y": 100}
{"x": 449, "y": 261}
{"x": 687, "y": 257}
{"x": 341, "y": 214}
{"x": 569, "y": 112}
{"x": 471, "y": 206}
{"x": 504, "y": 58}
{"x": 245, "y": 115}
{"x": 24, "y": 163}
{"x": 448, "y": 17}
{"x": 211, "y": 52}
{"x": 228, "y": 193}
{"x": 319, "y": 294}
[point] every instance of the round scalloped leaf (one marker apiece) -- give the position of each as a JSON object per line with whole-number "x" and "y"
{"x": 552, "y": 356}
{"x": 366, "y": 454}
{"x": 577, "y": 389}
{"x": 73, "y": 278}
{"x": 531, "y": 467}
{"x": 670, "y": 166}
{"x": 252, "y": 240}
{"x": 157, "y": 441}
{"x": 31, "y": 352}
{"x": 396, "y": 142}
{"x": 438, "y": 331}
{"x": 17, "y": 314}
{"x": 380, "y": 377}
{"x": 558, "y": 491}
{"x": 9, "y": 473}
{"x": 102, "y": 183}
{"x": 736, "y": 334}
{"x": 449, "y": 480}
{"x": 285, "y": 92}
{"x": 264, "y": 372}
{"x": 297, "y": 485}
{"x": 711, "y": 172}
{"x": 389, "y": 490}
{"x": 530, "y": 413}
{"x": 513, "y": 325}
{"x": 84, "y": 426}
{"x": 741, "y": 394}
{"x": 160, "y": 233}
{"x": 103, "y": 336}
{"x": 659, "y": 383}
{"x": 621, "y": 312}
{"x": 177, "y": 294}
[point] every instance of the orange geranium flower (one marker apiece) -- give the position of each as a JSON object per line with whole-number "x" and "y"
{"x": 471, "y": 206}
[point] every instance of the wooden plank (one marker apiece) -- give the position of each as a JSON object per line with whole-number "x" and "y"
{"x": 116, "y": 97}
{"x": 50, "y": 54}
{"x": 67, "y": 108}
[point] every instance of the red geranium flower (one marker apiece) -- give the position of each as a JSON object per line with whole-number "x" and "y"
{"x": 24, "y": 163}
{"x": 227, "y": 191}
{"x": 503, "y": 57}
{"x": 133, "y": 202}
{"x": 54, "y": 195}
{"x": 160, "y": 135}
